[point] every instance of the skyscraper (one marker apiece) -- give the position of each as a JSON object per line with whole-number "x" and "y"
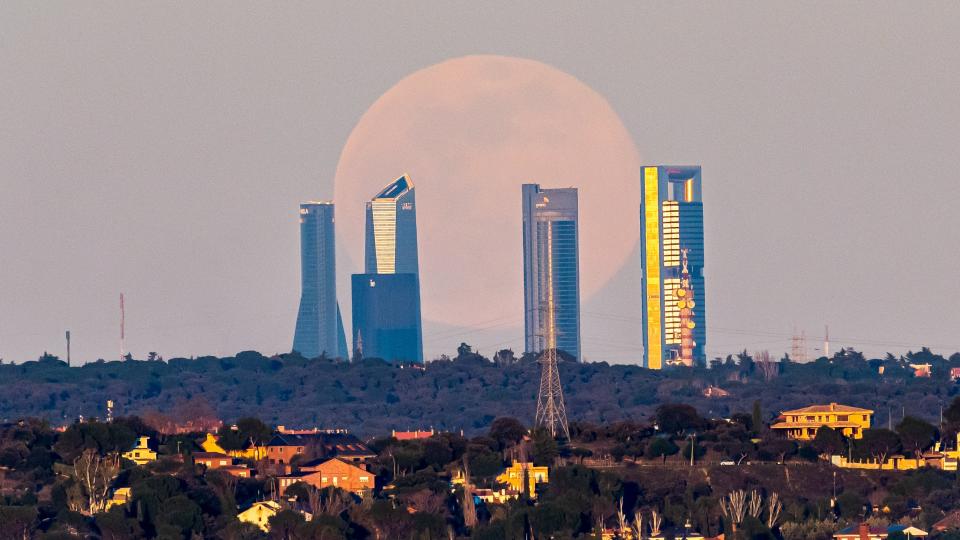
{"x": 551, "y": 279}
{"x": 319, "y": 326}
{"x": 386, "y": 298}
{"x": 671, "y": 220}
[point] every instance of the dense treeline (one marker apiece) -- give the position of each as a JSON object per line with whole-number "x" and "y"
{"x": 464, "y": 393}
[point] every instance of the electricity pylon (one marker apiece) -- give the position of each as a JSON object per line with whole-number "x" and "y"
{"x": 551, "y": 412}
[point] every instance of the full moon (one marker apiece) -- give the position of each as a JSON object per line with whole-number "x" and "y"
{"x": 469, "y": 131}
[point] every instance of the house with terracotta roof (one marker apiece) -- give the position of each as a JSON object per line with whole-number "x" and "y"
{"x": 802, "y": 424}
{"x": 318, "y": 445}
{"x": 332, "y": 472}
{"x": 950, "y": 522}
{"x": 212, "y": 460}
{"x": 412, "y": 435}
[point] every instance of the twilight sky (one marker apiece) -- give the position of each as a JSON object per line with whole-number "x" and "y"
{"x": 162, "y": 150}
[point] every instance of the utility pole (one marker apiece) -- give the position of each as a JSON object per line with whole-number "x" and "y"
{"x": 68, "y": 348}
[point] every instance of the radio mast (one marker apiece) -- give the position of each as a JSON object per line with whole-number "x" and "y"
{"x": 123, "y": 316}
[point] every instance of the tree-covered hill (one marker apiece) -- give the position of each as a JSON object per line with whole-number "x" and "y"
{"x": 371, "y": 397}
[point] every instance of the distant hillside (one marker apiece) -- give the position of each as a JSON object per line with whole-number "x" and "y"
{"x": 372, "y": 397}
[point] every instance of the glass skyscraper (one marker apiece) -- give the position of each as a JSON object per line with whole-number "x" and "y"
{"x": 671, "y": 220}
{"x": 386, "y": 298}
{"x": 319, "y": 327}
{"x": 551, "y": 278}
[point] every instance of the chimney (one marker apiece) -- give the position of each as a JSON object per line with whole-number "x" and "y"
{"x": 833, "y": 406}
{"x": 864, "y": 531}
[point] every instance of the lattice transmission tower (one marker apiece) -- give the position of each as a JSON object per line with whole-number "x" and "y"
{"x": 551, "y": 411}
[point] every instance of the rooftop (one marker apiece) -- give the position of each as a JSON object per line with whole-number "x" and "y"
{"x": 396, "y": 188}
{"x": 833, "y": 407}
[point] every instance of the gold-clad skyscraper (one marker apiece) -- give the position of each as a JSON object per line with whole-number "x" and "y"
{"x": 671, "y": 220}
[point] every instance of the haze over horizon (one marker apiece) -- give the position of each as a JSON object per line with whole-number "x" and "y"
{"x": 162, "y": 152}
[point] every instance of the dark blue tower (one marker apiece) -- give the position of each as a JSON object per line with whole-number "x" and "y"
{"x": 386, "y": 298}
{"x": 319, "y": 327}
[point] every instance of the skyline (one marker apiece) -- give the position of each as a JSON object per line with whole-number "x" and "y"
{"x": 136, "y": 166}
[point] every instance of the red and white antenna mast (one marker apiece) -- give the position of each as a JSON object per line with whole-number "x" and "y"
{"x": 123, "y": 316}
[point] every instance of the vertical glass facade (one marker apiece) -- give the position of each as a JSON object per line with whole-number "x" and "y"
{"x": 551, "y": 279}
{"x": 671, "y": 220}
{"x": 386, "y": 317}
{"x": 319, "y": 329}
{"x": 386, "y": 298}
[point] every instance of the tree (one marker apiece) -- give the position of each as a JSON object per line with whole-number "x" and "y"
{"x": 851, "y": 505}
{"x": 507, "y": 431}
{"x": 756, "y": 419}
{"x": 829, "y": 441}
{"x": 284, "y": 525}
{"x": 878, "y": 444}
{"x": 93, "y": 474}
{"x": 545, "y": 448}
{"x": 661, "y": 447}
{"x": 17, "y": 522}
{"x": 677, "y": 418}
{"x": 116, "y": 526}
{"x": 916, "y": 434}
{"x": 777, "y": 448}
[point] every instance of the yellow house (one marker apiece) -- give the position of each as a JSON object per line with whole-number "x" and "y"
{"x": 522, "y": 476}
{"x": 802, "y": 424}
{"x": 260, "y": 513}
{"x": 212, "y": 444}
{"x": 141, "y": 453}
{"x": 120, "y": 496}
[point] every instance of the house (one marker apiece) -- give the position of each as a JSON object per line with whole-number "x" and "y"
{"x": 955, "y": 374}
{"x": 320, "y": 444}
{"x": 715, "y": 392}
{"x": 121, "y": 496}
{"x": 332, "y": 472}
{"x": 212, "y": 460}
{"x": 524, "y": 476}
{"x": 490, "y": 496}
{"x": 921, "y": 370}
{"x": 240, "y": 471}
{"x": 802, "y": 424}
{"x": 949, "y": 523}
{"x": 211, "y": 443}
{"x": 141, "y": 454}
{"x": 865, "y": 531}
{"x": 412, "y": 435}
{"x": 259, "y": 514}
{"x": 282, "y": 448}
